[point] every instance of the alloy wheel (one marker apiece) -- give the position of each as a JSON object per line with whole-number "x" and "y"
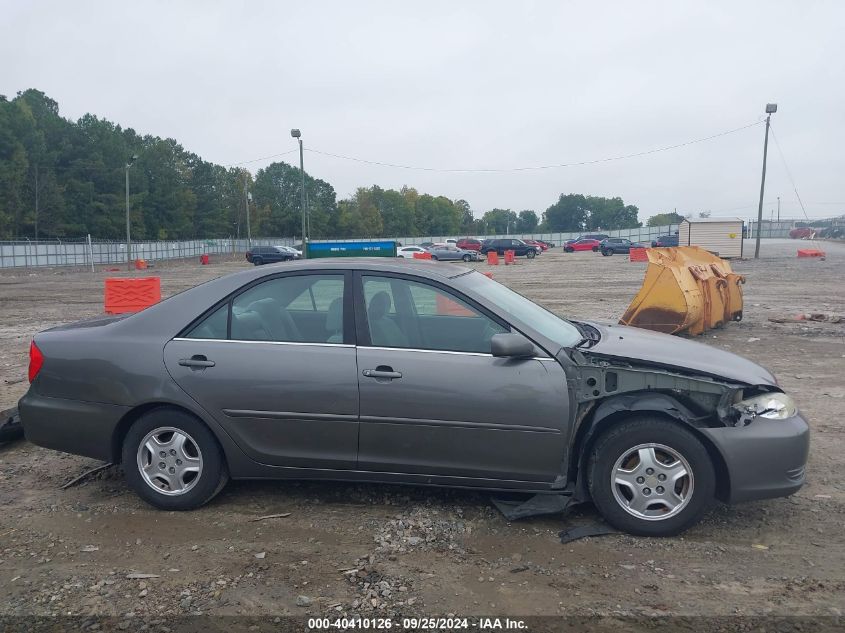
{"x": 170, "y": 461}
{"x": 652, "y": 482}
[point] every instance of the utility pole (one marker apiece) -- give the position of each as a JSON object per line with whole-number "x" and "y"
{"x": 778, "y": 208}
{"x": 298, "y": 136}
{"x": 36, "y": 203}
{"x": 128, "y": 231}
{"x": 771, "y": 108}
{"x": 246, "y": 202}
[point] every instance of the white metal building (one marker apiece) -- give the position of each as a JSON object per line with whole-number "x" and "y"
{"x": 719, "y": 235}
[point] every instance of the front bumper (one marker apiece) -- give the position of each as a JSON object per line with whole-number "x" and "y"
{"x": 764, "y": 459}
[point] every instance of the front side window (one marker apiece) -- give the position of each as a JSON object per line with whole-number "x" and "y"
{"x": 541, "y": 320}
{"x": 298, "y": 309}
{"x": 409, "y": 314}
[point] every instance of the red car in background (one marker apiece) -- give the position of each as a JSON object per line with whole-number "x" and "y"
{"x": 469, "y": 244}
{"x": 582, "y": 244}
{"x": 541, "y": 245}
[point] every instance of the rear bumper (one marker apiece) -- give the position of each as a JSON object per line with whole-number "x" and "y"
{"x": 71, "y": 426}
{"x": 764, "y": 459}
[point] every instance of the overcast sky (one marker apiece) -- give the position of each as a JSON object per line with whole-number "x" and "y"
{"x": 467, "y": 85}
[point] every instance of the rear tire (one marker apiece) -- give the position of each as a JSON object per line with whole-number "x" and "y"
{"x": 187, "y": 468}
{"x": 257, "y": 261}
{"x": 651, "y": 477}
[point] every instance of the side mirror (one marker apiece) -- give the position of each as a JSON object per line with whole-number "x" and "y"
{"x": 511, "y": 346}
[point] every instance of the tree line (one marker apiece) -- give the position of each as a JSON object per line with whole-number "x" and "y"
{"x": 62, "y": 178}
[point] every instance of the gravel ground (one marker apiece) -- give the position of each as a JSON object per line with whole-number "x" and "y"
{"x": 96, "y": 549}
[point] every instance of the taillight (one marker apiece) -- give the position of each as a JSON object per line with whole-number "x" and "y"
{"x": 36, "y": 361}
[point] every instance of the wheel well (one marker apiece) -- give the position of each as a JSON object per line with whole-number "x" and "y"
{"x": 129, "y": 419}
{"x": 590, "y": 431}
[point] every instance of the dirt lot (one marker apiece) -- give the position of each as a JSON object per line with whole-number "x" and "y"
{"x": 429, "y": 551}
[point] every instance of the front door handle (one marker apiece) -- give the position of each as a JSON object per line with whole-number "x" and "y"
{"x": 197, "y": 361}
{"x": 383, "y": 373}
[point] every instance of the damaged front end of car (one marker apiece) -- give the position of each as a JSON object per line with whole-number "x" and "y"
{"x": 754, "y": 433}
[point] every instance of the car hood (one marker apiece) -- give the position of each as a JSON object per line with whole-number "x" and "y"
{"x": 638, "y": 345}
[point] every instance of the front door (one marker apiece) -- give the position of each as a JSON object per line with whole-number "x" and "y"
{"x": 434, "y": 401}
{"x": 276, "y": 367}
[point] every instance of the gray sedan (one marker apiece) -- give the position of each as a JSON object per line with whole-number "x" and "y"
{"x": 416, "y": 373}
{"x": 452, "y": 253}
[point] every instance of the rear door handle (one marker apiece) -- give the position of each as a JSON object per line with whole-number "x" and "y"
{"x": 198, "y": 361}
{"x": 388, "y": 374}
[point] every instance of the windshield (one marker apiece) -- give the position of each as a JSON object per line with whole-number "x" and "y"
{"x": 544, "y": 322}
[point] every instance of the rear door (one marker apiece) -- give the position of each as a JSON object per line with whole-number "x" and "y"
{"x": 276, "y": 366}
{"x": 435, "y": 402}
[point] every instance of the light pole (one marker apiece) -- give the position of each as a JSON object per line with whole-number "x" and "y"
{"x": 128, "y": 231}
{"x": 298, "y": 136}
{"x": 246, "y": 202}
{"x": 771, "y": 108}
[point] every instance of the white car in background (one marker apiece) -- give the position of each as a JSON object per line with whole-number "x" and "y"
{"x": 408, "y": 251}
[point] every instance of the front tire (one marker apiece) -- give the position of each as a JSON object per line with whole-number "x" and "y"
{"x": 467, "y": 258}
{"x": 606, "y": 253}
{"x": 531, "y": 254}
{"x": 172, "y": 460}
{"x": 257, "y": 261}
{"x": 568, "y": 250}
{"x": 650, "y": 477}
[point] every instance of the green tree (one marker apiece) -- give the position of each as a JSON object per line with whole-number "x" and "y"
{"x": 662, "y": 219}
{"x": 527, "y": 222}
{"x": 500, "y": 221}
{"x": 568, "y": 214}
{"x": 576, "y": 212}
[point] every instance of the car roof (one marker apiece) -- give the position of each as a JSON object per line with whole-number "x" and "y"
{"x": 423, "y": 268}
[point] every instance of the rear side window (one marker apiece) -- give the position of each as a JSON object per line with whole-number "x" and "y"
{"x": 213, "y": 326}
{"x": 297, "y": 309}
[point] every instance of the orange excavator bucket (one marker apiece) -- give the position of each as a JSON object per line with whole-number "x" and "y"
{"x": 686, "y": 289}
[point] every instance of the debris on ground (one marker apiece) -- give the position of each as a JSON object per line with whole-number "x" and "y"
{"x": 538, "y": 505}
{"x": 10, "y": 425}
{"x": 86, "y": 474}
{"x": 817, "y": 317}
{"x": 281, "y": 515}
{"x": 583, "y": 531}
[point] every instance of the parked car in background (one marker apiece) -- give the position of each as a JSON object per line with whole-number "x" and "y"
{"x": 664, "y": 241}
{"x": 408, "y": 251}
{"x": 469, "y": 244}
{"x": 613, "y": 245}
{"x": 541, "y": 245}
{"x": 519, "y": 248}
{"x": 259, "y": 255}
{"x": 548, "y": 244}
{"x": 447, "y": 252}
{"x": 427, "y": 244}
{"x": 803, "y": 233}
{"x": 583, "y": 243}
{"x": 450, "y": 241}
{"x": 373, "y": 370}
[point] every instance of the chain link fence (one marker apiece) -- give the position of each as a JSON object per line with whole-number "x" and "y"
{"x": 87, "y": 252}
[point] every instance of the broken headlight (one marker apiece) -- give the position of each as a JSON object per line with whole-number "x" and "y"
{"x": 773, "y": 406}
